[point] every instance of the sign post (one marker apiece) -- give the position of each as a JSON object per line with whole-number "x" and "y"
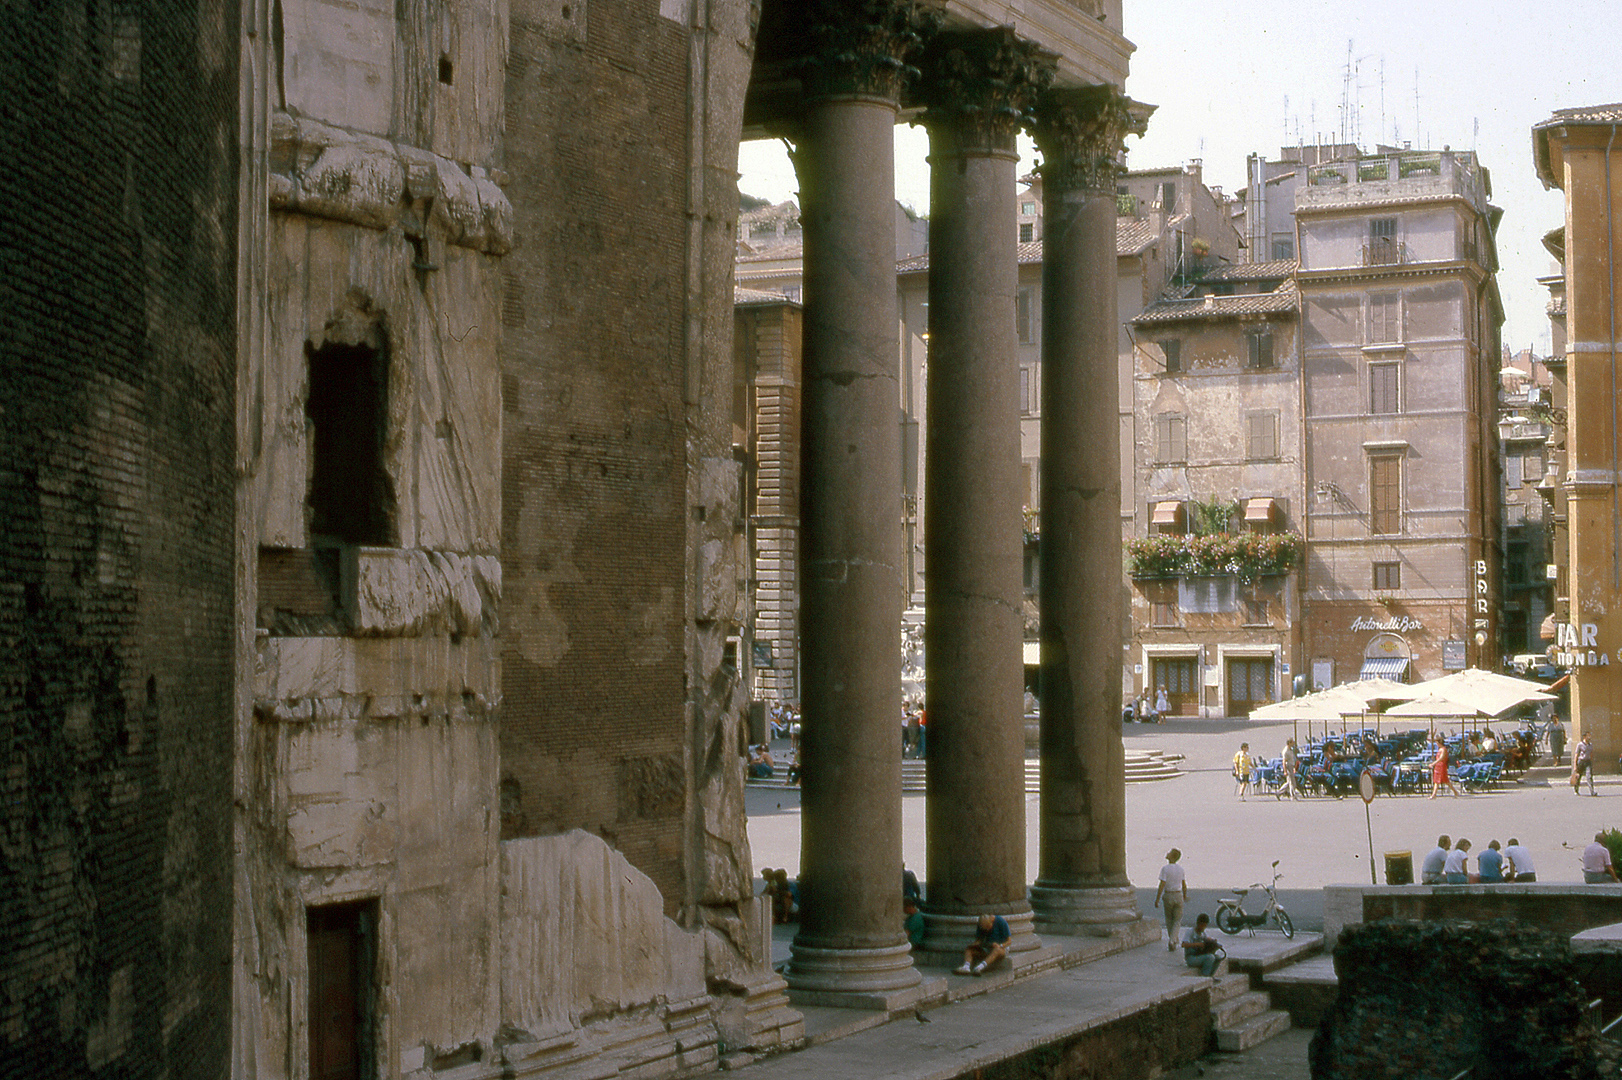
{"x": 1365, "y": 788}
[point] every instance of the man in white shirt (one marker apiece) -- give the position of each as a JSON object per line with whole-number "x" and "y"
{"x": 1597, "y": 868}
{"x": 1173, "y": 890}
{"x": 1520, "y": 866}
{"x": 1435, "y": 864}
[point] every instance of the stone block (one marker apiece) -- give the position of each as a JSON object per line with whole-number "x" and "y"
{"x": 297, "y": 668}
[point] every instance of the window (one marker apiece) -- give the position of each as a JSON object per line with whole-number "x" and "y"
{"x": 1208, "y": 595}
{"x": 1168, "y": 196}
{"x": 1025, "y": 390}
{"x": 1164, "y": 612}
{"x": 1262, "y": 431}
{"x": 1530, "y": 464}
{"x": 1387, "y": 575}
{"x": 1512, "y": 471}
{"x": 1385, "y": 494}
{"x": 1171, "y": 438}
{"x": 1255, "y": 611}
{"x": 1024, "y": 317}
{"x": 1173, "y": 348}
{"x": 1383, "y": 249}
{"x": 1383, "y": 389}
{"x": 1385, "y": 318}
{"x": 1515, "y": 564}
{"x": 1283, "y": 246}
{"x": 351, "y": 500}
{"x": 1028, "y": 209}
{"x": 1027, "y": 231}
{"x": 1260, "y": 346}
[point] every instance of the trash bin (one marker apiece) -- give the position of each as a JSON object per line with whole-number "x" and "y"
{"x": 1399, "y": 868}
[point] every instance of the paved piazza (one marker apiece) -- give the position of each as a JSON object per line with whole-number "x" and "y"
{"x": 1225, "y": 842}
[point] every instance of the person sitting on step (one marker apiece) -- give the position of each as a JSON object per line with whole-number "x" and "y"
{"x": 990, "y": 945}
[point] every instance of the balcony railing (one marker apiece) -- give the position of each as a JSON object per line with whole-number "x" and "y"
{"x": 1382, "y": 251}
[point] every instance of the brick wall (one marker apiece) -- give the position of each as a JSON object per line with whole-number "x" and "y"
{"x": 117, "y": 390}
{"x": 595, "y": 446}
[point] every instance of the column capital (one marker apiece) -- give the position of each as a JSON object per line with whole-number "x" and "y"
{"x": 1081, "y": 134}
{"x": 862, "y": 48}
{"x": 985, "y": 85}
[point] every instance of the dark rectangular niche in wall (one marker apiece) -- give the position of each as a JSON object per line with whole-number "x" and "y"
{"x": 342, "y": 948}
{"x": 351, "y": 500}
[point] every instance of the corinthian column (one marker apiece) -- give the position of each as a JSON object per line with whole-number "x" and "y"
{"x": 851, "y": 948}
{"x": 1081, "y": 885}
{"x": 980, "y": 87}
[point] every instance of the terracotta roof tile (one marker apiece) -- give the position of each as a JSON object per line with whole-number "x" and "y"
{"x": 1271, "y": 270}
{"x": 742, "y": 296}
{"x": 1281, "y": 300}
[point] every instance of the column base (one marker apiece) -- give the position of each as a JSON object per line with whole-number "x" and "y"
{"x": 1079, "y": 911}
{"x": 853, "y": 978}
{"x": 946, "y": 936}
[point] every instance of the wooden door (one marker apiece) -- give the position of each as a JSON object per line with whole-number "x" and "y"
{"x": 340, "y": 983}
{"x": 1250, "y": 683}
{"x": 1179, "y": 677}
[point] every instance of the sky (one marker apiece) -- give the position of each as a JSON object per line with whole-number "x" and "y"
{"x": 1250, "y": 76}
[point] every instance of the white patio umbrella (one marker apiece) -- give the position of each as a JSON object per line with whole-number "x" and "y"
{"x": 1485, "y": 692}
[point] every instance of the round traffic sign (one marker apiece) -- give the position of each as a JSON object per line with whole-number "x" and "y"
{"x": 1365, "y": 786}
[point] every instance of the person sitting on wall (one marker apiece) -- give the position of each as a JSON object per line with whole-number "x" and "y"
{"x": 1597, "y": 867}
{"x": 989, "y": 946}
{"x": 1200, "y": 951}
{"x": 782, "y": 893}
{"x": 1490, "y": 865}
{"x": 909, "y": 885}
{"x": 914, "y": 924}
{"x": 1518, "y": 863}
{"x": 1431, "y": 871}
{"x": 1456, "y": 870}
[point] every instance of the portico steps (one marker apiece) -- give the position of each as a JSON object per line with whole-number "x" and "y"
{"x": 1241, "y": 1017}
{"x": 1142, "y": 766}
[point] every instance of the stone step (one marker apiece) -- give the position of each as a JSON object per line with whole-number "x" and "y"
{"x": 1253, "y": 1032}
{"x": 1228, "y": 987}
{"x": 1229, "y": 1015}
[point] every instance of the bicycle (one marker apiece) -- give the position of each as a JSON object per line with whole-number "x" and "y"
{"x": 1231, "y": 917}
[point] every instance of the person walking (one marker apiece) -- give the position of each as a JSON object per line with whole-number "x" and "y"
{"x": 1241, "y": 770}
{"x": 1289, "y": 761}
{"x": 1173, "y": 889}
{"x": 1439, "y": 776}
{"x": 1582, "y": 764}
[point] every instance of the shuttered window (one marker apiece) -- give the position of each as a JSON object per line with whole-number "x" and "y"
{"x": 1385, "y": 493}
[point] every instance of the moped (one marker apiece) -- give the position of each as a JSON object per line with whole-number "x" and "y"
{"x": 1231, "y": 917}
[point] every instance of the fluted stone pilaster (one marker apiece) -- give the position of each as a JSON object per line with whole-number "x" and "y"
{"x": 1082, "y": 885}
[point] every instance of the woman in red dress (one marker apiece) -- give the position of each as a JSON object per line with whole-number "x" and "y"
{"x": 1439, "y": 775}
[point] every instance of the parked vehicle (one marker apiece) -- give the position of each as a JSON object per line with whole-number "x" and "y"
{"x": 1231, "y": 916}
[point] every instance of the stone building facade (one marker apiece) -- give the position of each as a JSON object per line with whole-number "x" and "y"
{"x": 374, "y": 539}
{"x": 1576, "y": 150}
{"x": 1217, "y": 398}
{"x": 1400, "y": 321}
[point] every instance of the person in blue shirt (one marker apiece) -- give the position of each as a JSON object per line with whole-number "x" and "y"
{"x": 990, "y": 945}
{"x": 1490, "y": 863}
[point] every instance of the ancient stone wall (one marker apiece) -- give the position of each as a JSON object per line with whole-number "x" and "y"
{"x": 117, "y": 369}
{"x": 1438, "y": 998}
{"x": 620, "y": 491}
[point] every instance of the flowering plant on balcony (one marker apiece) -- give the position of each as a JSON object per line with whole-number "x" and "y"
{"x": 1245, "y": 555}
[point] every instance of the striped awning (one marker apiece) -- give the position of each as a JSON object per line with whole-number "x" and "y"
{"x": 1394, "y": 668}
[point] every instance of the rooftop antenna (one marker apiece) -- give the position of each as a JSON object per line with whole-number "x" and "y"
{"x": 1346, "y": 96}
{"x": 1382, "y": 102}
{"x": 1416, "y": 104}
{"x": 1286, "y": 119}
